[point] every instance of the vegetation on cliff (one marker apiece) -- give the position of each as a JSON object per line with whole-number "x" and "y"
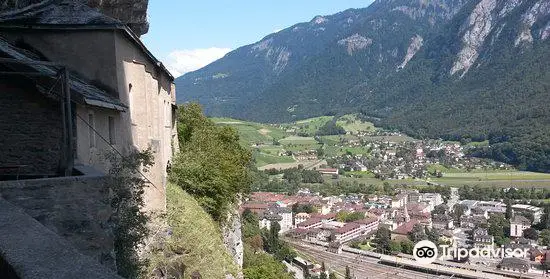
{"x": 193, "y": 241}
{"x": 211, "y": 166}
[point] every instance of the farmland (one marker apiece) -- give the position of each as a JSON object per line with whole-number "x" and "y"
{"x": 289, "y": 145}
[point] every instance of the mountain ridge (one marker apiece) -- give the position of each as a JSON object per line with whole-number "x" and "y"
{"x": 461, "y": 70}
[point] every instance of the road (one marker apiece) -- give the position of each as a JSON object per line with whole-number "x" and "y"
{"x": 360, "y": 266}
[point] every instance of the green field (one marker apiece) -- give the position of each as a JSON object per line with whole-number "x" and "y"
{"x": 351, "y": 123}
{"x": 295, "y": 140}
{"x": 495, "y": 178}
{"x": 396, "y": 139}
{"x": 252, "y": 133}
{"x": 263, "y": 159}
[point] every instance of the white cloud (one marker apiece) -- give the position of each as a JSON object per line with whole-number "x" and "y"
{"x": 183, "y": 61}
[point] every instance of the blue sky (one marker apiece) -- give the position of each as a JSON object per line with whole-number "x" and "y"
{"x": 188, "y": 34}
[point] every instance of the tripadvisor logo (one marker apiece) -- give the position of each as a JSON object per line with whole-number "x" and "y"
{"x": 426, "y": 252}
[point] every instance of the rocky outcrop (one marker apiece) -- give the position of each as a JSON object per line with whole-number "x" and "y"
{"x": 416, "y": 43}
{"x": 276, "y": 56}
{"x": 539, "y": 9}
{"x": 355, "y": 42}
{"x": 131, "y": 12}
{"x": 232, "y": 239}
{"x": 479, "y": 26}
{"x": 232, "y": 236}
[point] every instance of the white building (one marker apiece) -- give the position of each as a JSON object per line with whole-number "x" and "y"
{"x": 518, "y": 225}
{"x": 525, "y": 208}
{"x": 301, "y": 217}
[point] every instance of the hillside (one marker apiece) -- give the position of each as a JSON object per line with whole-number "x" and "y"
{"x": 469, "y": 70}
{"x": 195, "y": 242}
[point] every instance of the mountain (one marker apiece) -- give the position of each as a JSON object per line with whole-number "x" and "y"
{"x": 469, "y": 70}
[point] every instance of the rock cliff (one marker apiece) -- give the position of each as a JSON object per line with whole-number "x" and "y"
{"x": 131, "y": 12}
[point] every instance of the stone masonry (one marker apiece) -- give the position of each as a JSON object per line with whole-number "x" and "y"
{"x": 75, "y": 208}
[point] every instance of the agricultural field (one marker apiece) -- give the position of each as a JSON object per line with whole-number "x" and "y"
{"x": 269, "y": 141}
{"x": 252, "y": 133}
{"x": 263, "y": 159}
{"x": 494, "y": 178}
{"x": 295, "y": 140}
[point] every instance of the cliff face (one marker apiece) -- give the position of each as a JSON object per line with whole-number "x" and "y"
{"x": 232, "y": 238}
{"x": 131, "y": 12}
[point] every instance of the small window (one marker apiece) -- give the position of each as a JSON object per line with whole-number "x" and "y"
{"x": 112, "y": 130}
{"x": 91, "y": 129}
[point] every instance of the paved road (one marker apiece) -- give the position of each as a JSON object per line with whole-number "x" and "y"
{"x": 361, "y": 267}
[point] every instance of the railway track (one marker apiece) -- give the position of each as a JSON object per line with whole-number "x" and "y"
{"x": 362, "y": 267}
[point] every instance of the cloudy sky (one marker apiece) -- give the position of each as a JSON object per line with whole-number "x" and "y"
{"x": 188, "y": 35}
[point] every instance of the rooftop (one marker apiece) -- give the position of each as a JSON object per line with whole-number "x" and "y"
{"x": 406, "y": 227}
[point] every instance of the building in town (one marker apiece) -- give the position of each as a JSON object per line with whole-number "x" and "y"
{"x": 518, "y": 224}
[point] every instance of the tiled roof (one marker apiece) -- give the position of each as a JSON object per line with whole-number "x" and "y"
{"x": 309, "y": 222}
{"x": 366, "y": 221}
{"x": 347, "y": 228}
{"x": 406, "y": 228}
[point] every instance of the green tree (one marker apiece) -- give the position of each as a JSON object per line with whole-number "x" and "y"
{"x": 509, "y": 212}
{"x": 332, "y": 275}
{"x": 271, "y": 238}
{"x": 395, "y": 247}
{"x": 531, "y": 233}
{"x": 130, "y": 221}
{"x": 382, "y": 239}
{"x": 250, "y": 224}
{"x": 458, "y": 211}
{"x": 323, "y": 271}
{"x": 211, "y": 166}
{"x": 259, "y": 265}
{"x": 544, "y": 237}
{"x": 433, "y": 235}
{"x": 418, "y": 233}
{"x": 407, "y": 246}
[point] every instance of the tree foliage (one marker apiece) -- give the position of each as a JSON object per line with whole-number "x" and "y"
{"x": 211, "y": 166}
{"x": 382, "y": 240}
{"x": 127, "y": 185}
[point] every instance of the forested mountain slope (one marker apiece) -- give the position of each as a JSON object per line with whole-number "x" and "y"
{"x": 462, "y": 70}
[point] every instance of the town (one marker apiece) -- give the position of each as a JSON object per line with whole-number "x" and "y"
{"x": 359, "y": 222}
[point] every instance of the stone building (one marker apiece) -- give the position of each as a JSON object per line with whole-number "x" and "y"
{"x": 121, "y": 97}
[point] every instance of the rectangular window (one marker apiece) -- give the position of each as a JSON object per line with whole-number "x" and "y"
{"x": 112, "y": 135}
{"x": 91, "y": 129}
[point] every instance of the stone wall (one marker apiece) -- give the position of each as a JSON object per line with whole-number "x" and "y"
{"x": 35, "y": 139}
{"x": 75, "y": 208}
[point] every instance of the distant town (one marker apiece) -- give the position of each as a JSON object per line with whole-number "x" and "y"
{"x": 353, "y": 223}
{"x": 351, "y": 196}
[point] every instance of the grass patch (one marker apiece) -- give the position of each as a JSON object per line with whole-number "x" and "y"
{"x": 298, "y": 140}
{"x": 196, "y": 242}
{"x": 263, "y": 159}
{"x": 252, "y": 133}
{"x": 351, "y": 123}
{"x": 495, "y": 178}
